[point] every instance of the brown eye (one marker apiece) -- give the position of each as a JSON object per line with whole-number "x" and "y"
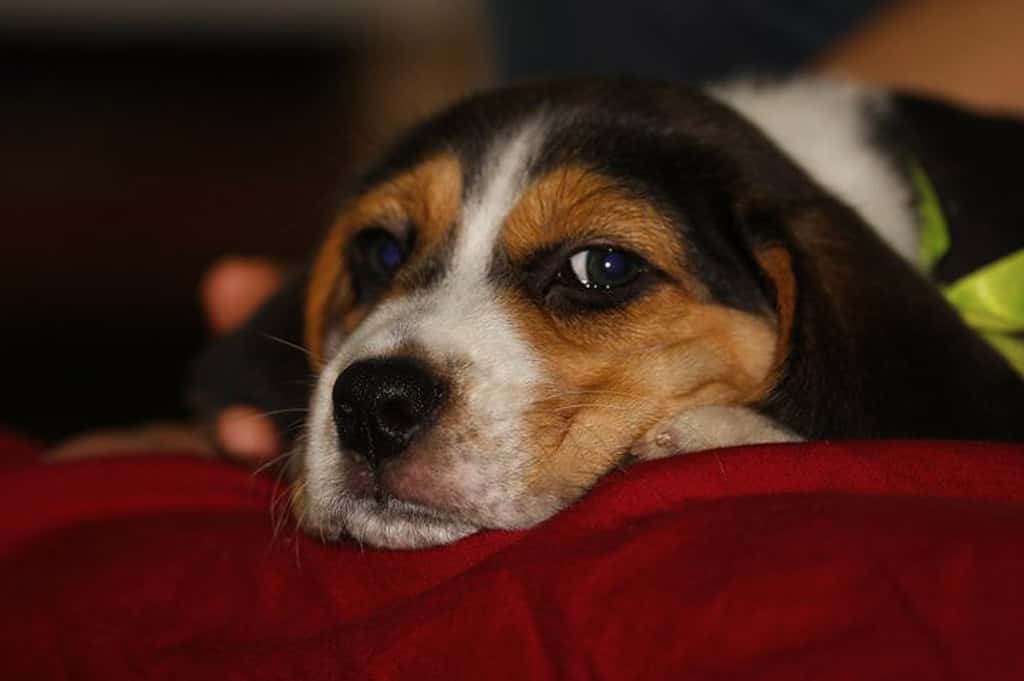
{"x": 383, "y": 252}
{"x": 374, "y": 256}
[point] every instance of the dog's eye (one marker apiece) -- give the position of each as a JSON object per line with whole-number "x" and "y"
{"x": 569, "y": 279}
{"x": 374, "y": 257}
{"x": 380, "y": 251}
{"x": 602, "y": 268}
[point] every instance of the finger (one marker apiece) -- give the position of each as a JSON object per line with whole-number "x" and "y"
{"x": 155, "y": 439}
{"x": 234, "y": 287}
{"x": 246, "y": 435}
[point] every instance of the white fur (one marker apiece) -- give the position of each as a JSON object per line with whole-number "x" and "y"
{"x": 825, "y": 127}
{"x": 501, "y": 180}
{"x": 458, "y": 323}
{"x": 709, "y": 427}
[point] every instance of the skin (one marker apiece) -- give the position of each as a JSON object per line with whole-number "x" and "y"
{"x": 230, "y": 292}
{"x": 970, "y": 52}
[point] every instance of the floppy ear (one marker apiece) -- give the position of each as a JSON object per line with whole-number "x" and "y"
{"x": 807, "y": 394}
{"x": 868, "y": 347}
{"x": 776, "y": 265}
{"x": 801, "y": 392}
{"x": 260, "y": 364}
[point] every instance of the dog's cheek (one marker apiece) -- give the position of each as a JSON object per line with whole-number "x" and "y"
{"x": 488, "y": 463}
{"x": 582, "y": 434}
{"x": 606, "y": 401}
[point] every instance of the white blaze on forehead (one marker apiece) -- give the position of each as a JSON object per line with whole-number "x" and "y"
{"x": 502, "y": 176}
{"x": 462, "y": 317}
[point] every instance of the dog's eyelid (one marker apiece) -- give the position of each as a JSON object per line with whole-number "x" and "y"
{"x": 551, "y": 279}
{"x": 404, "y": 230}
{"x": 375, "y": 254}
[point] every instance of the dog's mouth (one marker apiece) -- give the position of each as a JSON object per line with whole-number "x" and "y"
{"x": 371, "y": 506}
{"x": 388, "y": 522}
{"x": 407, "y": 483}
{"x": 447, "y": 484}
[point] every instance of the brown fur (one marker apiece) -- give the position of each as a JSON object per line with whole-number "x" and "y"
{"x": 576, "y": 204}
{"x": 776, "y": 265}
{"x": 619, "y": 373}
{"x": 428, "y": 196}
{"x": 612, "y": 387}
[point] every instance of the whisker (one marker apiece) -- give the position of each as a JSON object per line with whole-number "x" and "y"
{"x": 296, "y": 539}
{"x": 286, "y": 343}
{"x": 268, "y": 414}
{"x": 279, "y": 509}
{"x": 271, "y": 462}
{"x": 295, "y": 426}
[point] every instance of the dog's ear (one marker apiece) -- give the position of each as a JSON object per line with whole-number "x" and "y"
{"x": 870, "y": 348}
{"x": 776, "y": 269}
{"x": 805, "y": 392}
{"x": 261, "y": 364}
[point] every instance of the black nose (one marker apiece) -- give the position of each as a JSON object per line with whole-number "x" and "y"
{"x": 381, "y": 403}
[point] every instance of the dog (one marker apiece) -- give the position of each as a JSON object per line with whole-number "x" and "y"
{"x": 552, "y": 281}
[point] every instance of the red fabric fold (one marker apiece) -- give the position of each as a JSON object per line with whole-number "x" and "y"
{"x": 819, "y": 560}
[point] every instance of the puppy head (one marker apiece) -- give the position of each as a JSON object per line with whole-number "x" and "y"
{"x": 527, "y": 284}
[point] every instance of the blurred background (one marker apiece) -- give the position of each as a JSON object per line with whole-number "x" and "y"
{"x": 140, "y": 140}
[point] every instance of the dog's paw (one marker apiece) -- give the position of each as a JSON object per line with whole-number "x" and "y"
{"x": 709, "y": 427}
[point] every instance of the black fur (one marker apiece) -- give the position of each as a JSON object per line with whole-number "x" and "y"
{"x": 975, "y": 163}
{"x": 875, "y": 352}
{"x": 261, "y": 364}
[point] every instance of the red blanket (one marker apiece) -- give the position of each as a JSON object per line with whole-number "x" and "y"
{"x": 839, "y": 561}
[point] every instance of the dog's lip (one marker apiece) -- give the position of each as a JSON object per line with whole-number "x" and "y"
{"x": 390, "y": 523}
{"x": 368, "y": 487}
{"x": 361, "y": 481}
{"x": 413, "y": 510}
{"x": 394, "y": 511}
{"x": 386, "y": 501}
{"x": 382, "y": 485}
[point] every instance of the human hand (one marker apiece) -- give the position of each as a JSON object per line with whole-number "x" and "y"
{"x": 232, "y": 289}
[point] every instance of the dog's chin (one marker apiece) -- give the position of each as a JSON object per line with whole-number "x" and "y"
{"x": 392, "y": 524}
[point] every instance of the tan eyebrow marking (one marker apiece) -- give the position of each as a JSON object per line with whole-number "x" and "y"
{"x": 428, "y": 195}
{"x": 573, "y": 203}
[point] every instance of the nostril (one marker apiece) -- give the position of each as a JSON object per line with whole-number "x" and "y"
{"x": 397, "y": 416}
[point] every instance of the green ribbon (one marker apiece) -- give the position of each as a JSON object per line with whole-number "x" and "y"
{"x": 990, "y": 299}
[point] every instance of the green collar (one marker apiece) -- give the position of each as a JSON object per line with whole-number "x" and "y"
{"x": 990, "y": 299}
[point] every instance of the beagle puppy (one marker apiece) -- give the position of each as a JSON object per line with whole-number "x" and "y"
{"x": 545, "y": 283}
